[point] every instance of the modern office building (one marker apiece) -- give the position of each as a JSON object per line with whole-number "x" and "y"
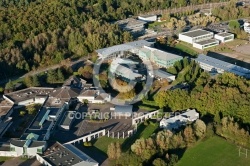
{"x": 160, "y": 58}
{"x": 215, "y": 65}
{"x": 148, "y": 18}
{"x": 160, "y": 74}
{"x": 122, "y": 49}
{"x": 206, "y": 44}
{"x": 195, "y": 36}
{"x": 224, "y": 37}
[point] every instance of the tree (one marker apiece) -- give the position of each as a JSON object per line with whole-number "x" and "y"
{"x": 31, "y": 109}
{"x": 114, "y": 150}
{"x": 159, "y": 162}
{"x": 35, "y": 80}
{"x": 86, "y": 71}
{"x": 60, "y": 76}
{"x": 189, "y": 135}
{"x": 1, "y": 89}
{"x": 28, "y": 81}
{"x": 199, "y": 128}
{"x": 10, "y": 85}
{"x": 234, "y": 24}
{"x": 22, "y": 113}
{"x": 51, "y": 77}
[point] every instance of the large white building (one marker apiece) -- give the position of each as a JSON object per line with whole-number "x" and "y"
{"x": 179, "y": 120}
{"x": 195, "y": 36}
{"x": 215, "y": 65}
{"x": 199, "y": 38}
{"x": 224, "y": 37}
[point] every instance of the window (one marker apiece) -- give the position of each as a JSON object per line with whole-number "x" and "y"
{"x": 12, "y": 148}
{"x": 40, "y": 150}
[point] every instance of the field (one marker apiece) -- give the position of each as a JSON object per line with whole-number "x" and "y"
{"x": 213, "y": 152}
{"x": 187, "y": 48}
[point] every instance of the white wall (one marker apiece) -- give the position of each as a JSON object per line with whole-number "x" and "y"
{"x": 80, "y": 98}
{"x": 18, "y": 150}
{"x": 8, "y": 153}
{"x": 222, "y": 39}
{"x": 26, "y": 102}
{"x": 42, "y": 161}
{"x": 196, "y": 45}
{"x": 148, "y": 19}
{"x": 40, "y": 100}
{"x": 185, "y": 38}
{"x": 32, "y": 151}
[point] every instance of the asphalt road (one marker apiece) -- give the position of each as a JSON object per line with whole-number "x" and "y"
{"x": 73, "y": 64}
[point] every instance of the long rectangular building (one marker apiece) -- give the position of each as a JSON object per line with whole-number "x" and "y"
{"x": 195, "y": 36}
{"x": 215, "y": 65}
{"x": 120, "y": 50}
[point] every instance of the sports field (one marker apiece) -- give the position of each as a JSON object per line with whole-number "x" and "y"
{"x": 214, "y": 151}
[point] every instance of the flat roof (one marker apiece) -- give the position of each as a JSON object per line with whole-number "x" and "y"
{"x": 196, "y": 33}
{"x": 147, "y": 16}
{"x": 130, "y": 22}
{"x": 162, "y": 74}
{"x": 67, "y": 120}
{"x": 89, "y": 93}
{"x": 55, "y": 102}
{"x": 58, "y": 154}
{"x": 223, "y": 65}
{"x": 224, "y": 34}
{"x": 123, "y": 47}
{"x": 124, "y": 108}
{"x": 125, "y": 71}
{"x": 28, "y": 93}
{"x": 204, "y": 42}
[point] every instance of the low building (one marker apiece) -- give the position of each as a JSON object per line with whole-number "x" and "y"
{"x": 206, "y": 44}
{"x": 160, "y": 58}
{"x": 224, "y": 37}
{"x": 122, "y": 111}
{"x": 247, "y": 27}
{"x": 122, "y": 49}
{"x": 148, "y": 18}
{"x": 134, "y": 26}
{"x": 217, "y": 66}
{"x": 177, "y": 121}
{"x": 195, "y": 36}
{"x": 29, "y": 146}
{"x": 67, "y": 120}
{"x": 160, "y": 74}
{"x": 6, "y": 109}
{"x": 67, "y": 154}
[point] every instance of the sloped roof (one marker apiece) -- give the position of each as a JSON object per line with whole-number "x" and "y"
{"x": 65, "y": 92}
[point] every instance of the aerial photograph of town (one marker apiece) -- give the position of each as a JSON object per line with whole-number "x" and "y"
{"x": 125, "y": 82}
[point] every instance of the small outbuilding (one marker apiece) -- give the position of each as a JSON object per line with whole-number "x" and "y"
{"x": 224, "y": 37}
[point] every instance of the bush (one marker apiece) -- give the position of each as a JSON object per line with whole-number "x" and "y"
{"x": 22, "y": 113}
{"x": 87, "y": 144}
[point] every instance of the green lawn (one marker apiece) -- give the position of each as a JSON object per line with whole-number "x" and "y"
{"x": 143, "y": 131}
{"x": 187, "y": 48}
{"x": 2, "y": 159}
{"x": 213, "y": 152}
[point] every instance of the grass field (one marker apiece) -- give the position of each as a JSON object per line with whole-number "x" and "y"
{"x": 213, "y": 152}
{"x": 185, "y": 47}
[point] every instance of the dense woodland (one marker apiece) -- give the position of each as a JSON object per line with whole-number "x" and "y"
{"x": 36, "y": 33}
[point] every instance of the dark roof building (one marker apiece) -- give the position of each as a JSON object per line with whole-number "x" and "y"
{"x": 67, "y": 154}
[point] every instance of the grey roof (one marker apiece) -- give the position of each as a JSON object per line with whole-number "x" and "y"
{"x": 68, "y": 118}
{"x": 67, "y": 154}
{"x": 124, "y": 108}
{"x": 123, "y": 47}
{"x": 130, "y": 22}
{"x": 28, "y": 93}
{"x": 204, "y": 42}
{"x": 162, "y": 74}
{"x": 224, "y": 34}
{"x": 125, "y": 72}
{"x": 147, "y": 16}
{"x": 223, "y": 65}
{"x": 20, "y": 143}
{"x": 66, "y": 92}
{"x": 89, "y": 93}
{"x": 196, "y": 33}
{"x": 165, "y": 56}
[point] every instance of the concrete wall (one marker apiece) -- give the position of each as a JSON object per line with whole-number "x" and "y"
{"x": 144, "y": 117}
{"x": 26, "y": 102}
{"x": 223, "y": 39}
{"x": 42, "y": 161}
{"x": 18, "y": 150}
{"x": 32, "y": 151}
{"x": 8, "y": 153}
{"x": 185, "y": 38}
